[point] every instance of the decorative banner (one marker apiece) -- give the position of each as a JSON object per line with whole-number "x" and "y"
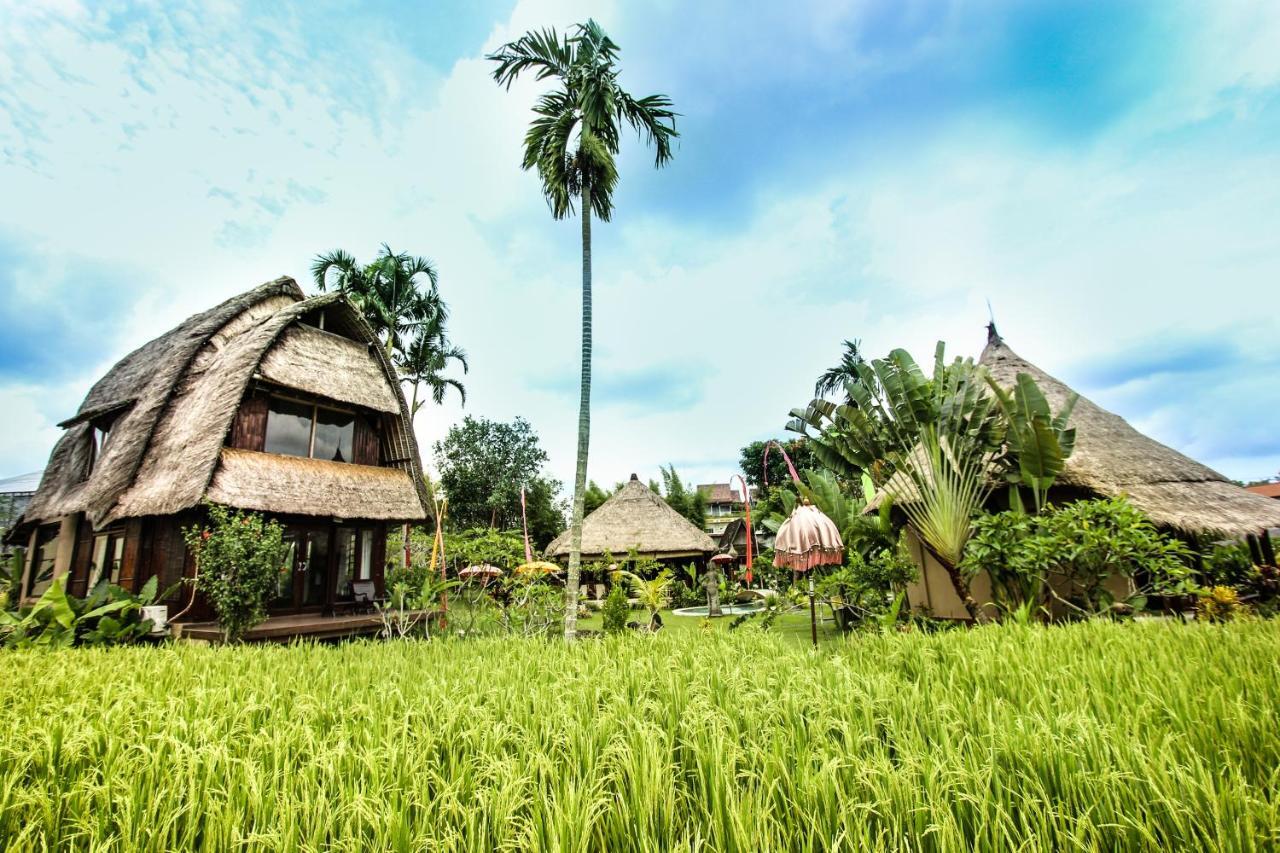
{"x": 524, "y": 519}
{"x": 765, "y": 463}
{"x": 751, "y": 533}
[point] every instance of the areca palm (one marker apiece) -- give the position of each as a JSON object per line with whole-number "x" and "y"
{"x": 426, "y": 358}
{"x": 836, "y": 378}
{"x": 386, "y": 291}
{"x": 408, "y": 318}
{"x": 572, "y": 143}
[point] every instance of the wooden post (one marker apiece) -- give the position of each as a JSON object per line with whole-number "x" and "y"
{"x": 813, "y": 612}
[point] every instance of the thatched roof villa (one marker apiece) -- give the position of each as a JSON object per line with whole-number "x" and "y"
{"x": 635, "y": 517}
{"x": 1112, "y": 458}
{"x": 269, "y": 401}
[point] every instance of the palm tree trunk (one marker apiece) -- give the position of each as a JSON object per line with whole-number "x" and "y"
{"x": 584, "y": 431}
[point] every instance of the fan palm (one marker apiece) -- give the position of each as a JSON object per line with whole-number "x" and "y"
{"x": 572, "y": 143}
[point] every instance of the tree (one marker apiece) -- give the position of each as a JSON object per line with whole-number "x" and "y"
{"x": 835, "y": 379}
{"x": 688, "y": 502}
{"x": 935, "y": 445}
{"x": 482, "y": 466}
{"x": 408, "y": 319}
{"x": 594, "y": 497}
{"x": 751, "y": 459}
{"x": 572, "y": 144}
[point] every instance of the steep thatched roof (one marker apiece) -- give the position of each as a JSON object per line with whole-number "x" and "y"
{"x": 636, "y": 518}
{"x": 174, "y": 400}
{"x": 1112, "y": 458}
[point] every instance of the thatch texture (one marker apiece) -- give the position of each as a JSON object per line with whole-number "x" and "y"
{"x": 356, "y": 377}
{"x": 180, "y": 394}
{"x": 1113, "y": 458}
{"x": 636, "y": 518}
{"x": 291, "y": 485}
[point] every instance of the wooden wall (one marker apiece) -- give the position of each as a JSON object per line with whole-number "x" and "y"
{"x": 249, "y": 430}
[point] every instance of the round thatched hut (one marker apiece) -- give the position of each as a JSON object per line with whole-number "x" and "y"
{"x": 1111, "y": 458}
{"x": 635, "y": 517}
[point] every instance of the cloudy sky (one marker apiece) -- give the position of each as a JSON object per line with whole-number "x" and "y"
{"x": 1107, "y": 176}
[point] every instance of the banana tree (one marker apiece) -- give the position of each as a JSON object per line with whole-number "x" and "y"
{"x": 1040, "y": 441}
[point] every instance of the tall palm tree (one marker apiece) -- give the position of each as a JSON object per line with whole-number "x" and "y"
{"x": 572, "y": 144}
{"x": 835, "y": 379}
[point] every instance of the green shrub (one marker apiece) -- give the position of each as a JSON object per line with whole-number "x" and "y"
{"x": 616, "y": 610}
{"x": 1066, "y": 555}
{"x": 240, "y": 557}
{"x": 866, "y": 587}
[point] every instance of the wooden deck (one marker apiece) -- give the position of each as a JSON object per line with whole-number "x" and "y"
{"x": 277, "y": 629}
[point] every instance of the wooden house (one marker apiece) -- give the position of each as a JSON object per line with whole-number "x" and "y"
{"x": 270, "y": 401}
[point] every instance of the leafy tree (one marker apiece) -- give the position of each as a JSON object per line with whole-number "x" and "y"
{"x": 688, "y": 502}
{"x": 408, "y": 318}
{"x": 487, "y": 546}
{"x": 482, "y": 465}
{"x": 751, "y": 458}
{"x": 932, "y": 443}
{"x": 572, "y": 143}
{"x": 594, "y": 497}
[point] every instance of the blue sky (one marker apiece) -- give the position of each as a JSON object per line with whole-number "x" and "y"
{"x": 1107, "y": 175}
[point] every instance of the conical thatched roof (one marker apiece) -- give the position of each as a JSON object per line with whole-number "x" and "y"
{"x": 1112, "y": 458}
{"x": 637, "y": 518}
{"x": 174, "y": 400}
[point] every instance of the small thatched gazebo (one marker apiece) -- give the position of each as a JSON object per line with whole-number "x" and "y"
{"x": 1111, "y": 458}
{"x": 636, "y": 518}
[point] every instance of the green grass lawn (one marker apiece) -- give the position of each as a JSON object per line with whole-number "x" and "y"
{"x": 1097, "y": 736}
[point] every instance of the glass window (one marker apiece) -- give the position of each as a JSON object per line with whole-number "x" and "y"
{"x": 346, "y": 561}
{"x": 335, "y": 432}
{"x": 288, "y": 427}
{"x": 42, "y": 560}
{"x": 108, "y": 557}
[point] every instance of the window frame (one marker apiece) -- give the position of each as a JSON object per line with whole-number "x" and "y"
{"x": 315, "y": 419}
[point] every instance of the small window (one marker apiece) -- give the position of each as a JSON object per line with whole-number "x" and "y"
{"x": 41, "y": 577}
{"x": 108, "y": 557}
{"x": 288, "y": 427}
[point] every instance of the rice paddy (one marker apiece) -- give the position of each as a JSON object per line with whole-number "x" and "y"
{"x": 1094, "y": 736}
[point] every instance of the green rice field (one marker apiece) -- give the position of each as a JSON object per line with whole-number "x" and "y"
{"x": 1097, "y": 736}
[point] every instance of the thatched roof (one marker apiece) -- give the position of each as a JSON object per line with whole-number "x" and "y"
{"x": 296, "y": 486}
{"x": 1113, "y": 458}
{"x": 635, "y": 517}
{"x": 176, "y": 398}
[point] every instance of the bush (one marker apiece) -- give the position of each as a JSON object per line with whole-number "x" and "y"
{"x": 239, "y": 557}
{"x": 616, "y": 609}
{"x": 862, "y": 588}
{"x": 1067, "y": 554}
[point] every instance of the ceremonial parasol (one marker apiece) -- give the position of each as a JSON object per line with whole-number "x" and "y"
{"x": 806, "y": 540}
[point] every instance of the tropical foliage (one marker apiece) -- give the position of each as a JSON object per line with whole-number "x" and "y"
{"x": 689, "y": 502}
{"x": 108, "y": 615}
{"x": 572, "y": 143}
{"x": 1084, "y": 558}
{"x": 483, "y": 463}
{"x": 1094, "y": 736}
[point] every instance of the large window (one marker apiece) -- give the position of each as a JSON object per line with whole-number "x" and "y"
{"x": 304, "y": 429}
{"x": 108, "y": 557}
